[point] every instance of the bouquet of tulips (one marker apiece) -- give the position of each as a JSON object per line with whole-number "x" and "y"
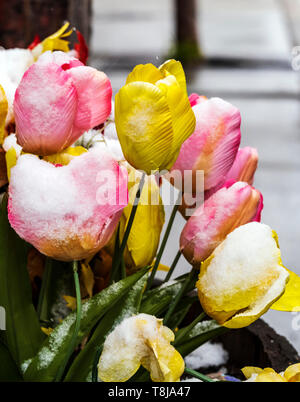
{"x": 82, "y": 216}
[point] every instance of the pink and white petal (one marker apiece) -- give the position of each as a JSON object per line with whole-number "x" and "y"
{"x": 230, "y": 207}
{"x": 244, "y": 166}
{"x": 94, "y": 97}
{"x": 83, "y": 210}
{"x": 219, "y": 128}
{"x": 45, "y": 105}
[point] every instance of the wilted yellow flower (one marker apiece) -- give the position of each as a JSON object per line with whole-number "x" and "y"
{"x": 143, "y": 240}
{"x": 244, "y": 276}
{"x": 256, "y": 374}
{"x": 153, "y": 115}
{"x": 55, "y": 41}
{"x": 140, "y": 340}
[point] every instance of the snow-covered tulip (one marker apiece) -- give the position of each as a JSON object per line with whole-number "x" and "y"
{"x": 144, "y": 236}
{"x": 140, "y": 340}
{"x": 153, "y": 116}
{"x": 213, "y": 146}
{"x": 244, "y": 276}
{"x": 256, "y": 374}
{"x": 57, "y": 100}
{"x": 231, "y": 206}
{"x": 67, "y": 212}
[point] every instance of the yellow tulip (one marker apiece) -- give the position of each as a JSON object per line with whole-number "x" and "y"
{"x": 143, "y": 240}
{"x": 3, "y": 114}
{"x": 256, "y": 374}
{"x": 140, "y": 340}
{"x": 244, "y": 276}
{"x": 153, "y": 116}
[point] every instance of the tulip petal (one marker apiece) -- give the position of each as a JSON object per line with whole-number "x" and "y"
{"x": 3, "y": 114}
{"x": 65, "y": 157}
{"x": 145, "y": 73}
{"x": 175, "y": 68}
{"x": 183, "y": 118}
{"x": 45, "y": 94}
{"x": 243, "y": 277}
{"x": 213, "y": 145}
{"x": 261, "y": 305}
{"x": 220, "y": 214}
{"x": 69, "y": 212}
{"x": 144, "y": 236}
{"x": 244, "y": 166}
{"x": 144, "y": 125}
{"x": 292, "y": 373}
{"x": 290, "y": 300}
{"x": 94, "y": 97}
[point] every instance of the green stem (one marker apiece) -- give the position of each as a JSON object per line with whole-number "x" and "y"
{"x": 117, "y": 258}
{"x": 116, "y": 251}
{"x": 73, "y": 341}
{"x": 42, "y": 310}
{"x": 164, "y": 242}
{"x": 95, "y": 365}
{"x": 174, "y": 263}
{"x": 195, "y": 374}
{"x": 189, "y": 279}
{"x": 185, "y": 331}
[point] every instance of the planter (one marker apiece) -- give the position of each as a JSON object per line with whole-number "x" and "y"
{"x": 256, "y": 345}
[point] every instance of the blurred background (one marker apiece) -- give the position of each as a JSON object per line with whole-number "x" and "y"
{"x": 234, "y": 49}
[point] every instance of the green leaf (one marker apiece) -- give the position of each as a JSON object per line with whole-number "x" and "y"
{"x": 58, "y": 282}
{"x": 201, "y": 333}
{"x": 156, "y": 300}
{"x": 81, "y": 369}
{"x": 8, "y": 368}
{"x": 23, "y": 334}
{"x": 45, "y": 364}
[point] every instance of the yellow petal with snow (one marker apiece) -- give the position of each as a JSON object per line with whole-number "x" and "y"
{"x": 292, "y": 373}
{"x": 88, "y": 278}
{"x": 65, "y": 157}
{"x": 144, "y": 72}
{"x": 175, "y": 68}
{"x": 290, "y": 300}
{"x": 55, "y": 41}
{"x": 141, "y": 339}
{"x": 260, "y": 306}
{"x": 144, "y": 126}
{"x": 11, "y": 160}
{"x": 3, "y": 114}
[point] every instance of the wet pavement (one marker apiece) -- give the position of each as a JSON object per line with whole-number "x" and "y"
{"x": 258, "y": 36}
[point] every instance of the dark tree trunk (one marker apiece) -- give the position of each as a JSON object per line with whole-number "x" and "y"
{"x": 186, "y": 46}
{"x": 21, "y": 20}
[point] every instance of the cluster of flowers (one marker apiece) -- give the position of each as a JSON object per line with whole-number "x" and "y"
{"x": 61, "y": 200}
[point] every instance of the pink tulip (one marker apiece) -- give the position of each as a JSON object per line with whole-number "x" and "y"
{"x": 213, "y": 146}
{"x": 243, "y": 169}
{"x": 68, "y": 212}
{"x": 230, "y": 207}
{"x": 244, "y": 166}
{"x": 57, "y": 100}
